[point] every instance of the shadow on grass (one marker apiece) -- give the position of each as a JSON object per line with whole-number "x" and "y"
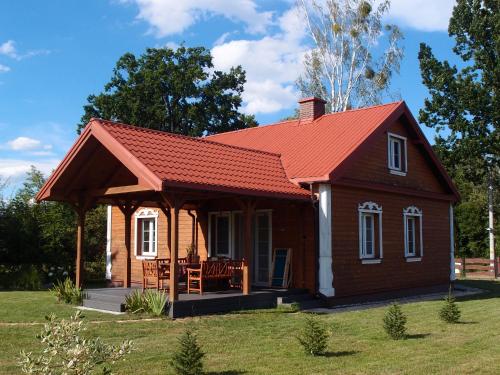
{"x": 490, "y": 287}
{"x": 417, "y": 336}
{"x": 344, "y": 353}
{"x": 230, "y": 372}
{"x": 467, "y": 322}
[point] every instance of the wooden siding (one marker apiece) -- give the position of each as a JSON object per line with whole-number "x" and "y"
{"x": 373, "y": 166}
{"x": 351, "y": 277}
{"x": 292, "y": 227}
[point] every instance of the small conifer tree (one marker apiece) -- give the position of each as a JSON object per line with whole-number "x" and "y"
{"x": 314, "y": 337}
{"x": 188, "y": 358}
{"x": 395, "y": 322}
{"x": 449, "y": 313}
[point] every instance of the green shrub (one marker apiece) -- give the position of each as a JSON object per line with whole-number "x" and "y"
{"x": 134, "y": 302}
{"x": 187, "y": 360}
{"x": 150, "y": 301}
{"x": 450, "y": 312}
{"x": 395, "y": 322}
{"x": 68, "y": 351}
{"x": 155, "y": 302}
{"x": 314, "y": 337}
{"x": 66, "y": 291}
{"x": 30, "y": 278}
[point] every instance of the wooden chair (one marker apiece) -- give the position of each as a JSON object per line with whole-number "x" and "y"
{"x": 211, "y": 270}
{"x": 157, "y": 271}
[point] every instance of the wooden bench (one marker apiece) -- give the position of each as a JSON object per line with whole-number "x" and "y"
{"x": 214, "y": 270}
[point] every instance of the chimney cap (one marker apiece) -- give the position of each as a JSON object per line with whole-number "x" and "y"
{"x": 312, "y": 99}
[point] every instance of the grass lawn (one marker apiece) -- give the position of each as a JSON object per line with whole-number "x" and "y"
{"x": 263, "y": 342}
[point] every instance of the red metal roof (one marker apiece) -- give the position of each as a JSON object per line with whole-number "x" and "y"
{"x": 311, "y": 150}
{"x": 186, "y": 161}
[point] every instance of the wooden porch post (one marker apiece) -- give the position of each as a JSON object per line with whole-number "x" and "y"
{"x": 80, "y": 237}
{"x": 128, "y": 243}
{"x": 128, "y": 209}
{"x": 248, "y": 211}
{"x": 174, "y": 253}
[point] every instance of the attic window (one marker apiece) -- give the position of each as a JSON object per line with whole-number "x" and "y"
{"x": 396, "y": 152}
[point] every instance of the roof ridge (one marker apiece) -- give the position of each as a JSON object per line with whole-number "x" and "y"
{"x": 253, "y": 128}
{"x": 197, "y": 139}
{"x": 309, "y": 122}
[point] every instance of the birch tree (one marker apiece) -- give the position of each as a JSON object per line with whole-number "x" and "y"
{"x": 355, "y": 54}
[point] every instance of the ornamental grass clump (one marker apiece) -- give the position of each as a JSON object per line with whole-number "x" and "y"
{"x": 187, "y": 360}
{"x": 314, "y": 337}
{"x": 155, "y": 302}
{"x": 134, "y": 302}
{"x": 67, "y": 350}
{"x": 450, "y": 313}
{"x": 66, "y": 291}
{"x": 395, "y": 322}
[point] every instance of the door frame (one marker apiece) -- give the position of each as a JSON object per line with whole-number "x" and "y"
{"x": 269, "y": 212}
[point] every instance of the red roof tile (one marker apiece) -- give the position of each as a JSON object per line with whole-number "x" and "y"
{"x": 180, "y": 160}
{"x": 313, "y": 149}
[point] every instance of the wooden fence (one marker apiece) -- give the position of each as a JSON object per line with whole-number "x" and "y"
{"x": 471, "y": 267}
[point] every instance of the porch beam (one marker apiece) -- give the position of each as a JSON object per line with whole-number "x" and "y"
{"x": 118, "y": 190}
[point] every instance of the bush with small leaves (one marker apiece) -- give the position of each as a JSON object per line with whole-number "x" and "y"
{"x": 67, "y": 351}
{"x": 314, "y": 337}
{"x": 449, "y": 313}
{"x": 395, "y": 322}
{"x": 188, "y": 358}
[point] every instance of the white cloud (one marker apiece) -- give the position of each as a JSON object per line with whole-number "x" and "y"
{"x": 424, "y": 15}
{"x": 14, "y": 170}
{"x": 24, "y": 144}
{"x": 167, "y": 17}
{"x": 4, "y": 69}
{"x": 8, "y": 49}
{"x": 272, "y": 64}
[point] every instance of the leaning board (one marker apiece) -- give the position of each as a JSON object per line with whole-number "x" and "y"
{"x": 280, "y": 276}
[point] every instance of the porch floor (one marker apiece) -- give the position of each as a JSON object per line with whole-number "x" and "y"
{"x": 210, "y": 302}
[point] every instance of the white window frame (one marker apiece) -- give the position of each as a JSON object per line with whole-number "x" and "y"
{"x": 146, "y": 213}
{"x": 403, "y": 162}
{"x": 228, "y": 214}
{"x": 268, "y": 212}
{"x": 416, "y": 214}
{"x": 364, "y": 209}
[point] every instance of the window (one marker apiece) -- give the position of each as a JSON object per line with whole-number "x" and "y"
{"x": 414, "y": 249}
{"x": 370, "y": 232}
{"x": 146, "y": 233}
{"x": 220, "y": 234}
{"x": 396, "y": 147}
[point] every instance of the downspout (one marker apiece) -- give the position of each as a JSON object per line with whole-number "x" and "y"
{"x": 194, "y": 241}
{"x": 314, "y": 203}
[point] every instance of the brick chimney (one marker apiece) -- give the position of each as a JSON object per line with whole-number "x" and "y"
{"x": 311, "y": 108}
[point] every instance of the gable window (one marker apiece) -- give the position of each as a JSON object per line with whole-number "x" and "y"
{"x": 146, "y": 228}
{"x": 396, "y": 152}
{"x": 414, "y": 250}
{"x": 370, "y": 233}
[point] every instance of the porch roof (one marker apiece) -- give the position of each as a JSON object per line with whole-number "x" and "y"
{"x": 162, "y": 161}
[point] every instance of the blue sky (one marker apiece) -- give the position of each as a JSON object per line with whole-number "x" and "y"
{"x": 53, "y": 54}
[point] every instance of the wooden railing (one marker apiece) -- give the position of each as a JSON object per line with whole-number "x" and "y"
{"x": 484, "y": 267}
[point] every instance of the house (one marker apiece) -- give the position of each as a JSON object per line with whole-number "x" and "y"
{"x": 359, "y": 196}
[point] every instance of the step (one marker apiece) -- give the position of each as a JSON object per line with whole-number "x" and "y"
{"x": 104, "y": 305}
{"x": 295, "y": 298}
{"x": 102, "y": 297}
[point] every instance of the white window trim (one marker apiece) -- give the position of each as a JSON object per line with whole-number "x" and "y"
{"x": 373, "y": 208}
{"x": 269, "y": 212}
{"x": 416, "y": 213}
{"x": 404, "y": 168}
{"x": 146, "y": 213}
{"x": 230, "y": 234}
